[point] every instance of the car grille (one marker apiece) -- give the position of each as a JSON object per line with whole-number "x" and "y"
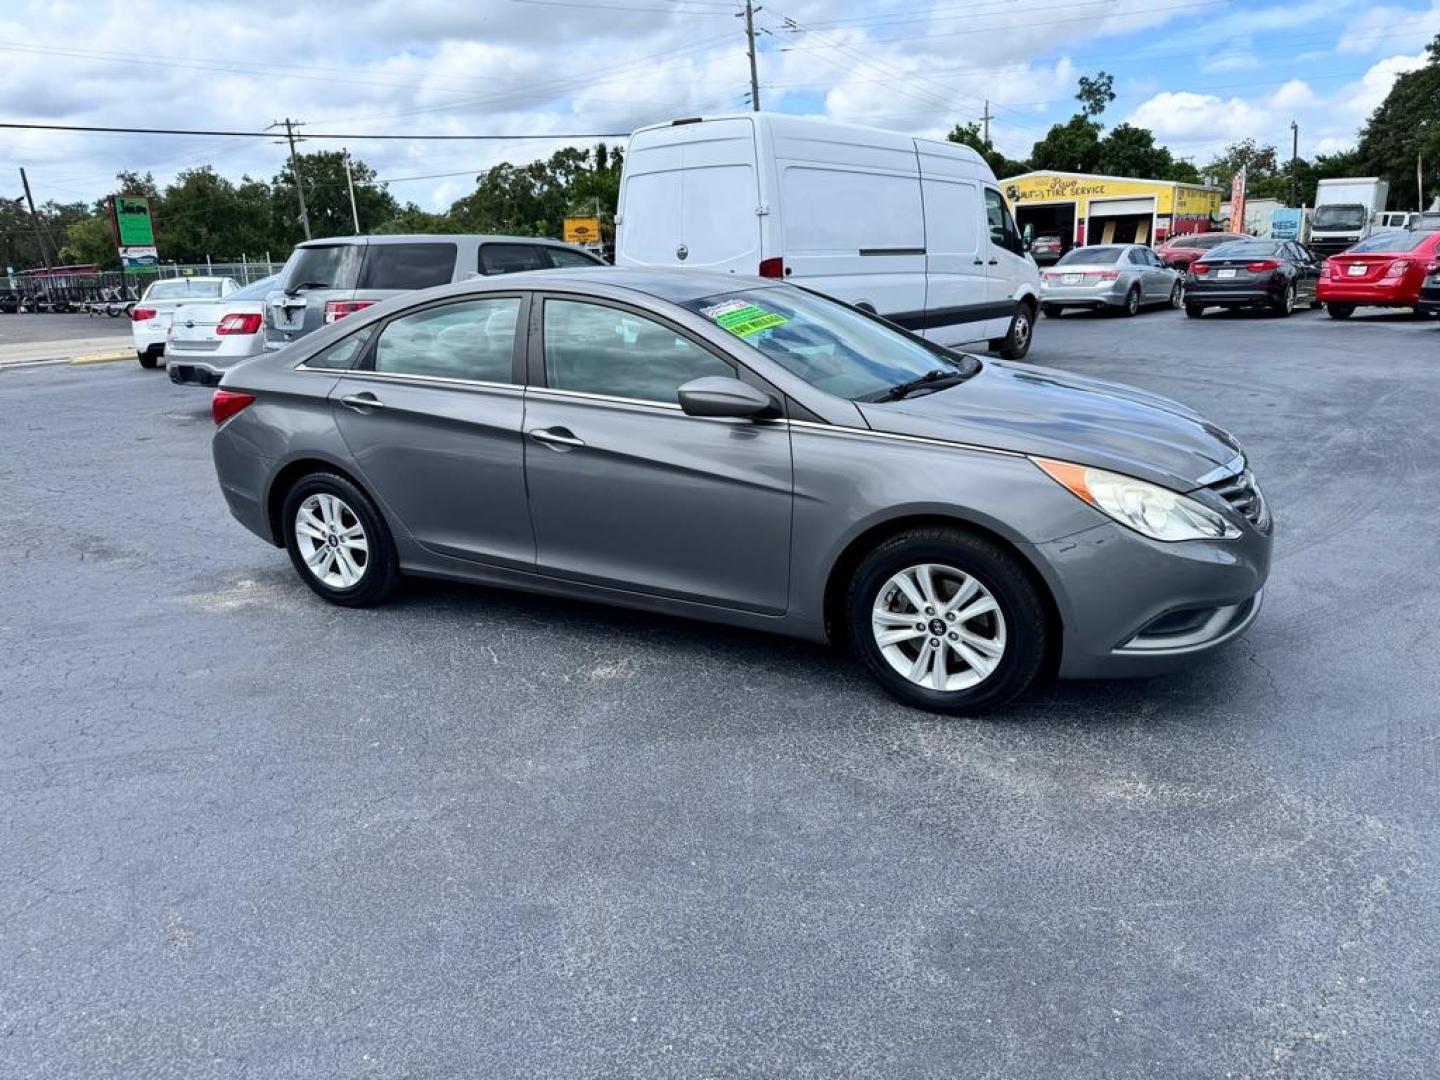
{"x": 1242, "y": 493}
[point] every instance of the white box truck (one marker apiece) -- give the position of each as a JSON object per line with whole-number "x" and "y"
{"x": 912, "y": 229}
{"x": 1346, "y": 209}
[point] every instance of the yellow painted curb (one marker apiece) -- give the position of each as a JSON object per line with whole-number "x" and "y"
{"x": 99, "y": 358}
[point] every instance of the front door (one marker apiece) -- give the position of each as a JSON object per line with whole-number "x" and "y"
{"x": 1006, "y": 263}
{"x": 628, "y": 491}
{"x": 434, "y": 424}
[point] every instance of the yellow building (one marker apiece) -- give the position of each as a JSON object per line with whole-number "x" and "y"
{"x": 1081, "y": 208}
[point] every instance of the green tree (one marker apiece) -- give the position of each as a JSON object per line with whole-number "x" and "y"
{"x": 1096, "y": 94}
{"x": 1073, "y": 146}
{"x": 1404, "y": 131}
{"x": 1264, "y": 178}
{"x": 970, "y": 135}
{"x": 412, "y": 219}
{"x": 535, "y": 199}
{"x": 327, "y": 199}
{"x": 1131, "y": 151}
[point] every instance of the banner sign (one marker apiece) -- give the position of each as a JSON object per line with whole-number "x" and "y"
{"x": 1237, "y": 203}
{"x": 140, "y": 259}
{"x": 130, "y": 218}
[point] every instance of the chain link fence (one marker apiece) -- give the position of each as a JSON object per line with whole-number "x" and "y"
{"x": 113, "y": 292}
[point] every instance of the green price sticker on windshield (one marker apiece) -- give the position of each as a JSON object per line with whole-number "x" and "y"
{"x": 743, "y": 319}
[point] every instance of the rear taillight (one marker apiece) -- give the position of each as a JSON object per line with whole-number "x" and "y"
{"x": 335, "y": 310}
{"x": 238, "y": 323}
{"x": 1264, "y": 266}
{"x": 772, "y": 267}
{"x": 1108, "y": 275}
{"x": 1397, "y": 268}
{"x": 141, "y": 314}
{"x": 226, "y": 403}
{"x": 1337, "y": 270}
{"x": 1200, "y": 269}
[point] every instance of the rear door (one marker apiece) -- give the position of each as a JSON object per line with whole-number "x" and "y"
{"x": 691, "y": 198}
{"x": 433, "y": 421}
{"x": 955, "y": 277}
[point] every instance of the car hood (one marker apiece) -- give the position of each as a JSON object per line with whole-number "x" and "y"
{"x": 1049, "y": 413}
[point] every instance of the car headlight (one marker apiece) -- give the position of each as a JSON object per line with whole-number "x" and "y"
{"x": 1149, "y": 509}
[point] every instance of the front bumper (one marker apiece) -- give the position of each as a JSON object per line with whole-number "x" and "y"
{"x": 1131, "y": 606}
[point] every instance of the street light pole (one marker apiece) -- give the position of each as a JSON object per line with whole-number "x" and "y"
{"x": 350, "y": 186}
{"x": 1294, "y": 162}
{"x": 34, "y": 218}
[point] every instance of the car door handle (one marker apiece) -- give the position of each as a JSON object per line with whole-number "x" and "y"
{"x": 979, "y": 262}
{"x": 362, "y": 402}
{"x": 994, "y": 262}
{"x": 557, "y": 438}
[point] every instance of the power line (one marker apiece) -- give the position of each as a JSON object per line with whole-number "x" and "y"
{"x": 328, "y": 135}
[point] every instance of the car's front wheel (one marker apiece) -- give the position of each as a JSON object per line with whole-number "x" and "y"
{"x": 338, "y": 541}
{"x": 947, "y": 621}
{"x": 1015, "y": 345}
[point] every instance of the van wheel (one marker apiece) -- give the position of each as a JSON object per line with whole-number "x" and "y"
{"x": 1015, "y": 345}
{"x": 947, "y": 621}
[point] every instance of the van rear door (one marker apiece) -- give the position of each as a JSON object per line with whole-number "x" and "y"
{"x": 690, "y": 198}
{"x": 955, "y": 271}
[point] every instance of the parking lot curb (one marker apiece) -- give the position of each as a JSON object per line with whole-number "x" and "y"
{"x": 99, "y": 358}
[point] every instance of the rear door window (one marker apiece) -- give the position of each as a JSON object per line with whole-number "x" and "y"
{"x": 512, "y": 258}
{"x": 564, "y": 258}
{"x": 470, "y": 340}
{"x": 408, "y": 266}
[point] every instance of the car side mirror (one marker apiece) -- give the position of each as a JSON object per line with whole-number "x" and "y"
{"x": 718, "y": 395}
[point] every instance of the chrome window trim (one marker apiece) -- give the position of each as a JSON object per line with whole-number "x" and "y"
{"x": 604, "y": 399}
{"x": 442, "y": 381}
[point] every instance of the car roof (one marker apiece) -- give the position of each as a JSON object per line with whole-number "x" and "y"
{"x": 674, "y": 286}
{"x": 412, "y": 238}
{"x": 188, "y": 277}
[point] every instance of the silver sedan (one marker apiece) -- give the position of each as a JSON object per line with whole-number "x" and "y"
{"x": 1121, "y": 277}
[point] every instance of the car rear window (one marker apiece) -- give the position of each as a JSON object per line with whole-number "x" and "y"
{"x": 408, "y": 266}
{"x": 178, "y": 290}
{"x": 512, "y": 258}
{"x": 257, "y": 291}
{"x": 1387, "y": 242}
{"x": 1091, "y": 256}
{"x": 1201, "y": 240}
{"x": 329, "y": 267}
{"x": 565, "y": 257}
{"x": 1247, "y": 249}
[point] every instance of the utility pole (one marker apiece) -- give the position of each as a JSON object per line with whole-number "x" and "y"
{"x": 987, "y": 121}
{"x": 1294, "y": 161}
{"x": 350, "y": 186}
{"x": 750, "y": 10}
{"x": 290, "y": 126}
{"x": 34, "y": 218}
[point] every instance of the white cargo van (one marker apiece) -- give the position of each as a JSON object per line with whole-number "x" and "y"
{"x": 913, "y": 229}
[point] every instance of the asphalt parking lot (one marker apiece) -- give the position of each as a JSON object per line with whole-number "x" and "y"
{"x": 245, "y": 834}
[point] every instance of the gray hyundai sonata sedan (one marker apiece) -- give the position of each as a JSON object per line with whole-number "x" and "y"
{"x": 749, "y": 452}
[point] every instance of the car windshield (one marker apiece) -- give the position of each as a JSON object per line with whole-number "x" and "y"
{"x": 1390, "y": 241}
{"x": 1091, "y": 256}
{"x": 258, "y": 291}
{"x": 1246, "y": 249}
{"x": 830, "y": 345}
{"x": 1338, "y": 217}
{"x": 182, "y": 288}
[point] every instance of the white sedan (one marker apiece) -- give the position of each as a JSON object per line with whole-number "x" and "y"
{"x": 207, "y": 337}
{"x": 150, "y": 321}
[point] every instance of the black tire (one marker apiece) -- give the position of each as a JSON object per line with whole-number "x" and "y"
{"x": 1285, "y": 306}
{"x": 381, "y": 573}
{"x": 148, "y": 359}
{"x": 1015, "y": 345}
{"x": 1340, "y": 311}
{"x": 1027, "y": 630}
{"x": 1177, "y": 296}
{"x": 1051, "y": 311}
{"x": 1132, "y": 303}
{"x": 1194, "y": 311}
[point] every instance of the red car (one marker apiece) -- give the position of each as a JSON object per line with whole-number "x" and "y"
{"x": 1180, "y": 251}
{"x": 1384, "y": 270}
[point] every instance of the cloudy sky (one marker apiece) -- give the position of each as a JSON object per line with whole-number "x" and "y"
{"x": 1201, "y": 73}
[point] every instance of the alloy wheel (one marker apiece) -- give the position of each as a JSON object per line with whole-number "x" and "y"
{"x": 1177, "y": 296}
{"x": 938, "y": 627}
{"x": 332, "y": 541}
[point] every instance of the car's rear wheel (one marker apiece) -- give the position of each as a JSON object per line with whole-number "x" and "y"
{"x": 147, "y": 359}
{"x": 1051, "y": 311}
{"x": 1285, "y": 306}
{"x": 1194, "y": 311}
{"x": 1340, "y": 311}
{"x": 1015, "y": 345}
{"x": 1132, "y": 302}
{"x": 947, "y": 621}
{"x": 338, "y": 541}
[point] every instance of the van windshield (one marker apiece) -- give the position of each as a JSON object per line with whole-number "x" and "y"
{"x": 832, "y": 346}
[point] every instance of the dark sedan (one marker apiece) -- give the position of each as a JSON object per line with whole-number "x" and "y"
{"x": 1276, "y": 275}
